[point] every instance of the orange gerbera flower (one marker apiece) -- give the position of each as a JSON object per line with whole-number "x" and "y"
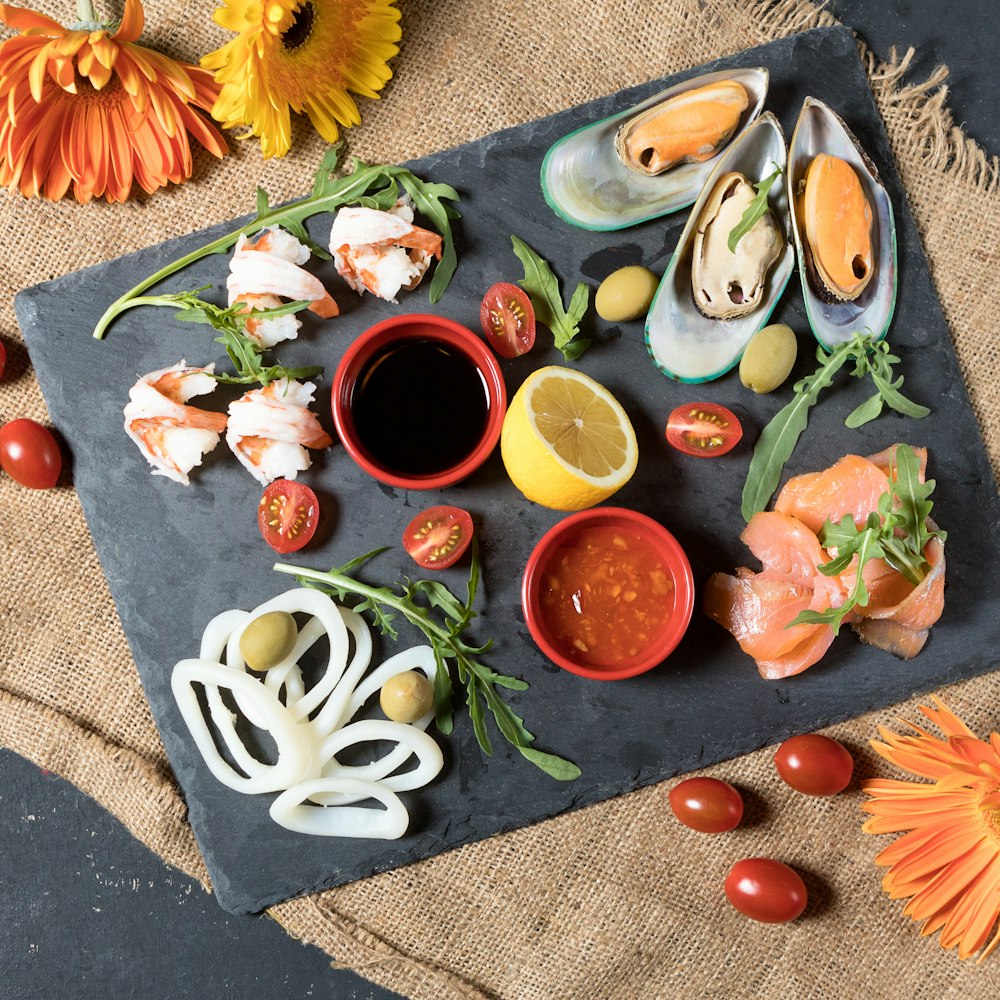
{"x": 86, "y": 107}
{"x": 948, "y": 864}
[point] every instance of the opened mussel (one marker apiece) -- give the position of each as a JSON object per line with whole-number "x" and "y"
{"x": 844, "y": 229}
{"x": 729, "y": 283}
{"x": 587, "y": 184}
{"x": 690, "y": 127}
{"x": 712, "y": 299}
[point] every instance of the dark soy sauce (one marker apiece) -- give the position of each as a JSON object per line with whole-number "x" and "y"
{"x": 419, "y": 406}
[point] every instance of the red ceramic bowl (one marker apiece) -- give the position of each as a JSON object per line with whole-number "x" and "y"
{"x": 653, "y": 538}
{"x": 397, "y": 330}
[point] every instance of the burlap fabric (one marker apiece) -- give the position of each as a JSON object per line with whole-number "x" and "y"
{"x": 616, "y": 901}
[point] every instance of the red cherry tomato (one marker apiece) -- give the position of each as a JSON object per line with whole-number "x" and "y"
{"x": 437, "y": 538}
{"x": 705, "y": 430}
{"x": 29, "y": 454}
{"x": 287, "y": 515}
{"x": 707, "y": 805}
{"x": 508, "y": 320}
{"x": 766, "y": 890}
{"x": 814, "y": 764}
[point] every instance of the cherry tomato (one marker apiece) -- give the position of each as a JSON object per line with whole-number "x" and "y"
{"x": 29, "y": 454}
{"x": 705, "y": 430}
{"x": 814, "y": 764}
{"x": 766, "y": 890}
{"x": 287, "y": 515}
{"x": 508, "y": 320}
{"x": 707, "y": 804}
{"x": 437, "y": 538}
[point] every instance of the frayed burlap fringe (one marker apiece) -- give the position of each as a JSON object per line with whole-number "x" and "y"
{"x": 613, "y": 902}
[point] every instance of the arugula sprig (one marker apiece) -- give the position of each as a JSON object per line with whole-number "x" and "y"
{"x": 246, "y": 354}
{"x": 542, "y": 287}
{"x": 897, "y": 532}
{"x": 373, "y": 186}
{"x": 754, "y": 210}
{"x": 416, "y": 601}
{"x": 778, "y": 439}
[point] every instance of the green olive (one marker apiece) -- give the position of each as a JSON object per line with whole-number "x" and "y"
{"x": 407, "y": 696}
{"x": 769, "y": 358}
{"x": 626, "y": 294}
{"x": 268, "y": 640}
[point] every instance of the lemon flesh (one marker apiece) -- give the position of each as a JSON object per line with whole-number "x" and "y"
{"x": 566, "y": 442}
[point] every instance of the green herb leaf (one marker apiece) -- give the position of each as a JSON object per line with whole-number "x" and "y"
{"x": 376, "y": 183}
{"x": 542, "y": 287}
{"x": 754, "y": 210}
{"x": 896, "y": 532}
{"x": 778, "y": 439}
{"x": 417, "y": 602}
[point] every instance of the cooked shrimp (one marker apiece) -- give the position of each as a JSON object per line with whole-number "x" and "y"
{"x": 382, "y": 251}
{"x": 172, "y": 436}
{"x": 270, "y": 429}
{"x": 261, "y": 271}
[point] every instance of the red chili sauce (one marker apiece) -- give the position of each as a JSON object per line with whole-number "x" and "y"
{"x": 605, "y": 596}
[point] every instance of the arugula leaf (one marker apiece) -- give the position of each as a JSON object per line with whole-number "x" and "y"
{"x": 416, "y": 601}
{"x": 542, "y": 287}
{"x": 897, "y": 532}
{"x": 754, "y": 210}
{"x": 778, "y": 439}
{"x": 372, "y": 185}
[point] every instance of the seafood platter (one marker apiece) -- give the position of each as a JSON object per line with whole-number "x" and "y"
{"x": 734, "y": 226}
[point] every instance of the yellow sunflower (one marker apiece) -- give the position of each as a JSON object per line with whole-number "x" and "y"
{"x": 948, "y": 863}
{"x": 86, "y": 107}
{"x": 301, "y": 55}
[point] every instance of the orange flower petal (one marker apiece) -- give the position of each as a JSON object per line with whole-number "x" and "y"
{"x": 21, "y": 19}
{"x": 132, "y": 23}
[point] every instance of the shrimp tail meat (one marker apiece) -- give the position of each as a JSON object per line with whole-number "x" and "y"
{"x": 270, "y": 430}
{"x": 261, "y": 271}
{"x": 382, "y": 252}
{"x": 172, "y": 436}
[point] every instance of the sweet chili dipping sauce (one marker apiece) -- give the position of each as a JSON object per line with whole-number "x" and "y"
{"x": 606, "y": 595}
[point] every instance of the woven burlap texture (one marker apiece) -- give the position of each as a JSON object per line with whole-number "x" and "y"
{"x": 615, "y": 901}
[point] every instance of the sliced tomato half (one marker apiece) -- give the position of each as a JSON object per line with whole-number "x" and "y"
{"x": 705, "y": 430}
{"x": 437, "y": 538}
{"x": 287, "y": 515}
{"x": 508, "y": 320}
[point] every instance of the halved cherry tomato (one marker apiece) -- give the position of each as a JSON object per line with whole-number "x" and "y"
{"x": 287, "y": 515}
{"x": 814, "y": 764}
{"x": 508, "y": 320}
{"x": 766, "y": 890}
{"x": 707, "y": 805}
{"x": 29, "y": 454}
{"x": 437, "y": 538}
{"x": 705, "y": 430}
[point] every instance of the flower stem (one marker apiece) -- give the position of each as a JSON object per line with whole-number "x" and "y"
{"x": 85, "y": 11}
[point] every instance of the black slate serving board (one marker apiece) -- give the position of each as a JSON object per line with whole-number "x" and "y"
{"x": 175, "y": 557}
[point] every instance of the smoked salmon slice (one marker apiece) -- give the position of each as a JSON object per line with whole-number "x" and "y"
{"x": 757, "y": 608}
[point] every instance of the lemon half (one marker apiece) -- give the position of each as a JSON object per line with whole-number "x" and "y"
{"x": 566, "y": 441}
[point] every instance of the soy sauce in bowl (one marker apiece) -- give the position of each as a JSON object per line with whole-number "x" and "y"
{"x": 420, "y": 406}
{"x": 419, "y": 401}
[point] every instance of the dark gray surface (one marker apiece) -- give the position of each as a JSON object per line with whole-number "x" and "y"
{"x": 44, "y": 936}
{"x": 718, "y": 706}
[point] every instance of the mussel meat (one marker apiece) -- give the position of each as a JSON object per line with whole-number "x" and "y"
{"x": 837, "y": 221}
{"x": 726, "y": 284}
{"x": 690, "y": 127}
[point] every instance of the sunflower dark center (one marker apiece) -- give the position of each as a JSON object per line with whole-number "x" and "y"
{"x": 300, "y": 29}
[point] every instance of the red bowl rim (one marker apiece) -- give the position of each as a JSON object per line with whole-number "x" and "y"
{"x": 423, "y": 326}
{"x": 674, "y": 556}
